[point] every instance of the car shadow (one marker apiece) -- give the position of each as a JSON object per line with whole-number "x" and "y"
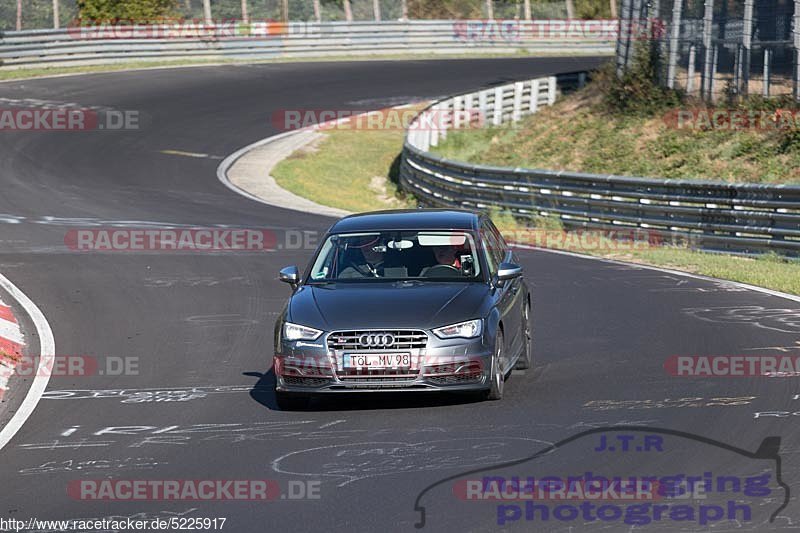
{"x": 263, "y": 392}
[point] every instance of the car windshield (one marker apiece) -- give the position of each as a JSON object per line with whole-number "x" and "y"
{"x": 397, "y": 255}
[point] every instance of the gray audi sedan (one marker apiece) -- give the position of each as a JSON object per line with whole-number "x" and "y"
{"x": 412, "y": 300}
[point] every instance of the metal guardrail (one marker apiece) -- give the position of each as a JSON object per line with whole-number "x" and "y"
{"x": 269, "y": 40}
{"x": 715, "y": 215}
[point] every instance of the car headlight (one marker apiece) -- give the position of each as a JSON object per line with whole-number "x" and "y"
{"x": 467, "y": 330}
{"x": 296, "y": 332}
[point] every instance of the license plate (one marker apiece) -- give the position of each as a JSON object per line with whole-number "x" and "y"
{"x": 377, "y": 360}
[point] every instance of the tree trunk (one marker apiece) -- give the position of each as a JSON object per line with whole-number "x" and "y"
{"x": 348, "y": 11}
{"x": 489, "y": 10}
{"x": 245, "y": 15}
{"x": 570, "y": 9}
{"x": 19, "y": 15}
{"x": 56, "y": 15}
{"x": 317, "y": 11}
{"x": 613, "y": 4}
{"x": 207, "y": 11}
{"x": 404, "y": 6}
{"x": 528, "y": 15}
{"x": 285, "y": 10}
{"x": 376, "y": 9}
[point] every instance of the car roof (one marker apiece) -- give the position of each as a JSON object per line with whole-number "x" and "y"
{"x": 409, "y": 219}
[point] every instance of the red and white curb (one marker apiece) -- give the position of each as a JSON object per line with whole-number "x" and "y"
{"x": 47, "y": 350}
{"x": 11, "y": 343}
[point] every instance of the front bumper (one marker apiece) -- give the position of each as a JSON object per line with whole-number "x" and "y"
{"x": 451, "y": 365}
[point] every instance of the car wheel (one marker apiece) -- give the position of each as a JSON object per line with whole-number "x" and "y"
{"x": 288, "y": 401}
{"x": 526, "y": 357}
{"x": 496, "y": 374}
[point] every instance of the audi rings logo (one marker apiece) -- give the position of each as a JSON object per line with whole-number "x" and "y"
{"x": 376, "y": 340}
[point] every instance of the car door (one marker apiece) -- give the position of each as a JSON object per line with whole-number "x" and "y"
{"x": 517, "y": 294}
{"x": 505, "y": 297}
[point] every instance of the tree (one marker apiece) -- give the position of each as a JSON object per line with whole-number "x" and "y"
{"x": 570, "y": 9}
{"x": 317, "y": 11}
{"x": 348, "y": 11}
{"x": 137, "y": 10}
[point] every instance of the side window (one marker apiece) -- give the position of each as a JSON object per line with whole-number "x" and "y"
{"x": 503, "y": 246}
{"x": 494, "y": 250}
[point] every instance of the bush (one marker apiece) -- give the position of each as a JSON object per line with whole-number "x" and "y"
{"x": 638, "y": 92}
{"x": 133, "y": 10}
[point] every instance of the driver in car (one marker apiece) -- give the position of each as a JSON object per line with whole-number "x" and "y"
{"x": 446, "y": 256}
{"x": 369, "y": 260}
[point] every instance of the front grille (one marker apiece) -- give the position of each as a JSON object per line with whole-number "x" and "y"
{"x": 404, "y": 339}
{"x": 454, "y": 373}
{"x": 360, "y": 374}
{"x": 455, "y": 379}
{"x": 377, "y": 380}
{"x": 305, "y": 382}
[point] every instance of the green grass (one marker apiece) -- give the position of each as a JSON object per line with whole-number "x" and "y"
{"x": 577, "y": 135}
{"x": 348, "y": 169}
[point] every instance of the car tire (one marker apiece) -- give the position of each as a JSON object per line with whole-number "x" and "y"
{"x": 288, "y": 401}
{"x": 525, "y": 360}
{"x": 497, "y": 377}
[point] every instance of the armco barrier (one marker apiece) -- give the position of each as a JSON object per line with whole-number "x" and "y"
{"x": 267, "y": 40}
{"x": 717, "y": 215}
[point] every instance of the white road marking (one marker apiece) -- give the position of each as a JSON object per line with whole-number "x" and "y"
{"x": 47, "y": 350}
{"x": 189, "y": 154}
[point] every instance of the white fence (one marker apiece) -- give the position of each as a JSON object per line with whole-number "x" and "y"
{"x": 269, "y": 40}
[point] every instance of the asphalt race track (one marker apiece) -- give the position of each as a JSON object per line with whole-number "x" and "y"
{"x": 201, "y": 324}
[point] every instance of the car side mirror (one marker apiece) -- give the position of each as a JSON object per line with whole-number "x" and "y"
{"x": 505, "y": 272}
{"x": 290, "y": 275}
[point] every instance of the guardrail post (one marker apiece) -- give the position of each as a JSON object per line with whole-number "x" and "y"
{"x": 767, "y": 66}
{"x": 708, "y": 53}
{"x": 714, "y": 69}
{"x": 519, "y": 87}
{"x": 691, "y": 69}
{"x": 457, "y": 112}
{"x": 444, "y": 123}
{"x": 534, "y": 105}
{"x": 552, "y": 85}
{"x": 747, "y": 45}
{"x": 674, "y": 42}
{"x": 435, "y": 125}
{"x": 497, "y": 118}
{"x": 796, "y": 54}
